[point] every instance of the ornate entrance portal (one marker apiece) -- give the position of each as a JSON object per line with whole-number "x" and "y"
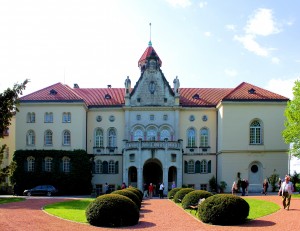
{"x": 152, "y": 172}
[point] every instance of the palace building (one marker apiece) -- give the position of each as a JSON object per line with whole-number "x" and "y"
{"x": 153, "y": 131}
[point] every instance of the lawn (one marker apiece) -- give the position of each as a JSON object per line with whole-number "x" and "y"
{"x": 75, "y": 210}
{"x": 10, "y": 199}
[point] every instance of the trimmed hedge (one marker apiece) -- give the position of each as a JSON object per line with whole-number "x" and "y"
{"x": 178, "y": 197}
{"x": 130, "y": 194}
{"x": 223, "y": 209}
{"x": 138, "y": 192}
{"x": 172, "y": 192}
{"x": 112, "y": 210}
{"x": 193, "y": 198}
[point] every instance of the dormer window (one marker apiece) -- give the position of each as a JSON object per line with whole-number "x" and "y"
{"x": 196, "y": 96}
{"x": 53, "y": 92}
{"x": 107, "y": 96}
{"x": 251, "y": 91}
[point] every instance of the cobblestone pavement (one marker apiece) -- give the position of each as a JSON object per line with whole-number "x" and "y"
{"x": 156, "y": 214}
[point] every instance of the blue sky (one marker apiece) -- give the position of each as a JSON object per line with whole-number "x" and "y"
{"x": 205, "y": 43}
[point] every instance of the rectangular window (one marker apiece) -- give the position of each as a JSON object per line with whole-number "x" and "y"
{"x": 173, "y": 157}
{"x": 99, "y": 189}
{"x": 191, "y": 186}
{"x": 48, "y": 117}
{"x": 203, "y": 187}
{"x": 66, "y": 117}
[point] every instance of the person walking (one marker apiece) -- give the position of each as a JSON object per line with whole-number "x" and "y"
{"x": 265, "y": 186}
{"x": 286, "y": 189}
{"x": 244, "y": 186}
{"x": 145, "y": 190}
{"x": 161, "y": 190}
{"x": 150, "y": 189}
{"x": 234, "y": 188}
{"x": 106, "y": 188}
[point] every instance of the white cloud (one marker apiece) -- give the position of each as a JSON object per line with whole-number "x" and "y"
{"x": 282, "y": 86}
{"x": 230, "y": 27}
{"x": 202, "y": 4}
{"x": 262, "y": 23}
{"x": 179, "y": 3}
{"x": 231, "y": 72}
{"x": 275, "y": 60}
{"x": 207, "y": 33}
{"x": 251, "y": 45}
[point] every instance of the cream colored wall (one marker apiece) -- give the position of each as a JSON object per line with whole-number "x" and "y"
{"x": 77, "y": 127}
{"x": 234, "y": 122}
{"x": 230, "y": 164}
{"x": 198, "y": 123}
{"x": 105, "y": 124}
{"x": 115, "y": 179}
{"x": 10, "y": 143}
{"x": 198, "y": 178}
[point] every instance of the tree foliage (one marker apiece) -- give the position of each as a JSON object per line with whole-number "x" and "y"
{"x": 8, "y": 107}
{"x": 291, "y": 134}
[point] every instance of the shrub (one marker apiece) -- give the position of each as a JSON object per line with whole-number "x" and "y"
{"x": 112, "y": 210}
{"x": 138, "y": 192}
{"x": 130, "y": 194}
{"x": 172, "y": 192}
{"x": 192, "y": 198}
{"x": 223, "y": 209}
{"x": 181, "y": 193}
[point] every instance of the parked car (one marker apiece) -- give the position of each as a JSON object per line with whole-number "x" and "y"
{"x": 40, "y": 190}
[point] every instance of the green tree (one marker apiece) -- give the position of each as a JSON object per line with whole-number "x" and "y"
{"x": 8, "y": 107}
{"x": 291, "y": 133}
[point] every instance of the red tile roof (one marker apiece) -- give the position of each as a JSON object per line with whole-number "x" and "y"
{"x": 249, "y": 92}
{"x": 114, "y": 97}
{"x": 147, "y": 54}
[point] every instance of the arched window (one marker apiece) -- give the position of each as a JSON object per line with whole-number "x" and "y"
{"x": 151, "y": 135}
{"x": 191, "y": 167}
{"x": 48, "y": 139}
{"x": 112, "y": 138}
{"x": 30, "y": 138}
{"x": 99, "y": 138}
{"x": 66, "y": 117}
{"x": 66, "y": 138}
{"x": 30, "y": 117}
{"x": 204, "y": 137}
{"x": 165, "y": 134}
{"x": 105, "y": 167}
{"x": 30, "y": 164}
{"x": 255, "y": 132}
{"x": 197, "y": 166}
{"x": 99, "y": 167}
{"x": 111, "y": 167}
{"x": 138, "y": 134}
{"x": 203, "y": 166}
{"x": 48, "y": 164}
{"x": 191, "y": 138}
{"x": 66, "y": 164}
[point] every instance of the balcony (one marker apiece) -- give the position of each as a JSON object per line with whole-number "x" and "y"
{"x": 131, "y": 145}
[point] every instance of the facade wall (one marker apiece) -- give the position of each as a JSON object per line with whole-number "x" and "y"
{"x": 77, "y": 126}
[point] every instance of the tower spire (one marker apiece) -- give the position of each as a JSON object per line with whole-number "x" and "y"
{"x": 150, "y": 43}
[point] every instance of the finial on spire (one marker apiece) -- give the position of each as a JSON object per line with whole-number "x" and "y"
{"x": 150, "y": 43}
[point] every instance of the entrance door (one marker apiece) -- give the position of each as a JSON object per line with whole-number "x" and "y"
{"x": 152, "y": 173}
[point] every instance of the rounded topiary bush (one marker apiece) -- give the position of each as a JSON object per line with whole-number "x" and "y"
{"x": 130, "y": 194}
{"x": 192, "y": 198}
{"x": 178, "y": 197}
{"x": 172, "y": 192}
{"x": 112, "y": 210}
{"x": 138, "y": 192}
{"x": 223, "y": 209}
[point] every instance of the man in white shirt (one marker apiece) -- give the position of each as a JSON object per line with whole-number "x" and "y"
{"x": 287, "y": 190}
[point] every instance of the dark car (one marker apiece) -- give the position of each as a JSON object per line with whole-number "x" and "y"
{"x": 47, "y": 190}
